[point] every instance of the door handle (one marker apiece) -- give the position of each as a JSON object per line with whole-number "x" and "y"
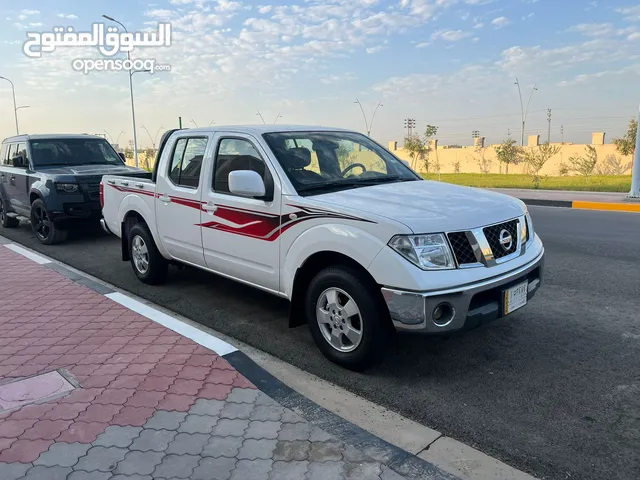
{"x": 165, "y": 198}
{"x": 111, "y": 182}
{"x": 210, "y": 208}
{"x": 125, "y": 183}
{"x": 140, "y": 185}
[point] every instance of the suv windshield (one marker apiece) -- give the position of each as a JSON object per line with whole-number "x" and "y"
{"x": 318, "y": 162}
{"x": 73, "y": 152}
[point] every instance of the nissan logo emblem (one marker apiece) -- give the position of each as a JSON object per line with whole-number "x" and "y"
{"x": 506, "y": 240}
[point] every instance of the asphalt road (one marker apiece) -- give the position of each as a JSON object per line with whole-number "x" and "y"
{"x": 553, "y": 390}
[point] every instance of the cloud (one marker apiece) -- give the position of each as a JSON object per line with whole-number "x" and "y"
{"x": 265, "y": 9}
{"x": 375, "y": 49}
{"x": 423, "y": 45}
{"x": 68, "y": 16}
{"x": 333, "y": 79}
{"x": 30, "y": 12}
{"x": 632, "y": 14}
{"x": 450, "y": 35}
{"x": 500, "y": 22}
{"x": 634, "y": 36}
{"x": 592, "y": 29}
{"x": 478, "y": 25}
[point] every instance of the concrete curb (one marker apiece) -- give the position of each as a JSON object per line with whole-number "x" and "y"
{"x": 397, "y": 459}
{"x": 584, "y": 205}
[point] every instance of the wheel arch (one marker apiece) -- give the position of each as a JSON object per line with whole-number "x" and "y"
{"x": 131, "y": 218}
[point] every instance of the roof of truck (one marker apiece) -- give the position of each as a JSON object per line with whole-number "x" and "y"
{"x": 50, "y": 136}
{"x": 260, "y": 129}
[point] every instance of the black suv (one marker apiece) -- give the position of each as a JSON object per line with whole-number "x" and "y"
{"x": 54, "y": 181}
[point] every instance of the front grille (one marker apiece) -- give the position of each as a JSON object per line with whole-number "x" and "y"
{"x": 493, "y": 237}
{"x": 462, "y": 248}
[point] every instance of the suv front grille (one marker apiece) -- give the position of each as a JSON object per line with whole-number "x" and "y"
{"x": 462, "y": 248}
{"x": 493, "y": 237}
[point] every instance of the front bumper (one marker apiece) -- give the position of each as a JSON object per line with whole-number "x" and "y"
{"x": 471, "y": 305}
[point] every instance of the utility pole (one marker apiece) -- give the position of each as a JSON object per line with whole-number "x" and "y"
{"x": 509, "y": 133}
{"x": 549, "y": 127}
{"x": 635, "y": 178}
{"x": 562, "y": 133}
{"x": 409, "y": 124}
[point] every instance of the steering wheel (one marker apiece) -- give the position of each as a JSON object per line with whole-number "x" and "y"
{"x": 352, "y": 166}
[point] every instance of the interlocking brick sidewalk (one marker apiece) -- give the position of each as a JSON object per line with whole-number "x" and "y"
{"x": 148, "y": 402}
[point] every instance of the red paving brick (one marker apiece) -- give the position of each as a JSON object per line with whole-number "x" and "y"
{"x": 127, "y": 366}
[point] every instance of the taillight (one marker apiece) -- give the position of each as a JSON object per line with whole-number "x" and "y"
{"x": 101, "y": 195}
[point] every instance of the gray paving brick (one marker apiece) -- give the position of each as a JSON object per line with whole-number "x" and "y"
{"x": 264, "y": 399}
{"x": 362, "y": 471}
{"x": 198, "y": 424}
{"x": 41, "y": 472}
{"x": 325, "y": 471}
{"x": 214, "y": 469}
{"x": 259, "y": 429}
{"x": 62, "y": 454}
{"x": 319, "y": 435}
{"x": 272, "y": 413}
{"x": 388, "y": 474}
{"x": 13, "y": 471}
{"x": 252, "y": 470}
{"x": 252, "y": 449}
{"x": 243, "y": 395}
{"x": 207, "y": 407}
{"x": 188, "y": 443}
{"x": 156, "y": 440}
{"x": 176, "y": 466}
{"x": 237, "y": 410}
{"x": 351, "y": 454}
{"x": 294, "y": 431}
{"x": 132, "y": 477}
{"x": 163, "y": 420}
{"x": 139, "y": 463}
{"x": 103, "y": 459}
{"x": 289, "y": 470}
{"x": 82, "y": 475}
{"x": 291, "y": 417}
{"x": 223, "y": 446}
{"x": 325, "y": 451}
{"x": 296, "y": 450}
{"x": 116, "y": 436}
{"x": 226, "y": 427}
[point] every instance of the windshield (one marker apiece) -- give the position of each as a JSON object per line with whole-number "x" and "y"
{"x": 73, "y": 152}
{"x": 317, "y": 162}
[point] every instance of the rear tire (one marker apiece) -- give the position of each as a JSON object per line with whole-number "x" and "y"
{"x": 45, "y": 229}
{"x": 148, "y": 263}
{"x": 5, "y": 220}
{"x": 347, "y": 318}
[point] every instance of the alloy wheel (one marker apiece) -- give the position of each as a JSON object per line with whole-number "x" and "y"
{"x": 140, "y": 254}
{"x": 339, "y": 319}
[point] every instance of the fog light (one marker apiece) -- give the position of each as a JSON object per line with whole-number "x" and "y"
{"x": 443, "y": 314}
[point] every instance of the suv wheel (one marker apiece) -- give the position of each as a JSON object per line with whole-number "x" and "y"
{"x": 148, "y": 263}
{"x": 348, "y": 322}
{"x": 46, "y": 231}
{"x": 5, "y": 220}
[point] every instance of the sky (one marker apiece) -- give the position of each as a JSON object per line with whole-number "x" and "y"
{"x": 449, "y": 63}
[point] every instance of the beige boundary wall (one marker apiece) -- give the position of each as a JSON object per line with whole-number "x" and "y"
{"x": 469, "y": 157}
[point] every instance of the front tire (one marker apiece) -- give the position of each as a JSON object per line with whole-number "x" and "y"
{"x": 148, "y": 263}
{"x": 347, "y": 318}
{"x": 45, "y": 229}
{"x": 5, "y": 220}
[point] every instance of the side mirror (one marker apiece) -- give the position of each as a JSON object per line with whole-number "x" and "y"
{"x": 122, "y": 156}
{"x": 246, "y": 183}
{"x": 18, "y": 161}
{"x": 406, "y": 163}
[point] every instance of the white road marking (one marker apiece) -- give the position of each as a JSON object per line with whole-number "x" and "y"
{"x": 205, "y": 339}
{"x": 29, "y": 254}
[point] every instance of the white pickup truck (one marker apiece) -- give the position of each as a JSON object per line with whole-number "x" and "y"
{"x": 359, "y": 243}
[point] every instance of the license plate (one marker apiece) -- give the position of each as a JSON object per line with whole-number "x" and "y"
{"x": 515, "y": 298}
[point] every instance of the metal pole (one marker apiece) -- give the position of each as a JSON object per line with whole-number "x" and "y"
{"x": 15, "y": 106}
{"x": 524, "y": 120}
{"x": 521, "y": 111}
{"x": 364, "y": 116}
{"x": 133, "y": 115}
{"x": 635, "y": 178}
{"x": 549, "y": 126}
{"x": 374, "y": 117}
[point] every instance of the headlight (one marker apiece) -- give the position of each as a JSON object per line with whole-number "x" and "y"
{"x": 429, "y": 252}
{"x": 67, "y": 187}
{"x": 529, "y": 227}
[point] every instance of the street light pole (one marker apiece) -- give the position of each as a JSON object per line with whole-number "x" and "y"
{"x": 524, "y": 112}
{"x": 369, "y": 125}
{"x": 15, "y": 108}
{"x": 133, "y": 108}
{"x": 277, "y": 117}
{"x": 261, "y": 117}
{"x": 635, "y": 178}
